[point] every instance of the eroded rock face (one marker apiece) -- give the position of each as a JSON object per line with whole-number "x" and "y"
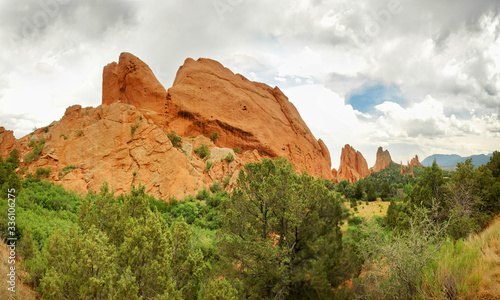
{"x": 353, "y": 166}
{"x": 415, "y": 162}
{"x": 124, "y": 141}
{"x": 7, "y": 142}
{"x": 206, "y": 97}
{"x": 115, "y": 144}
{"x": 131, "y": 81}
{"x": 382, "y": 161}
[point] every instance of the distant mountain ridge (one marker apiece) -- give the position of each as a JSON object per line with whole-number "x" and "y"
{"x": 449, "y": 161}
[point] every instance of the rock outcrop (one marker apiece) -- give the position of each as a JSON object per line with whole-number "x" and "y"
{"x": 127, "y": 139}
{"x": 353, "y": 166}
{"x": 382, "y": 161}
{"x": 415, "y": 162}
{"x": 408, "y": 169}
{"x": 7, "y": 141}
{"x": 206, "y": 97}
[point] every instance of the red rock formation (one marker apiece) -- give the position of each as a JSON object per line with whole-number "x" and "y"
{"x": 383, "y": 160}
{"x": 7, "y": 142}
{"x": 353, "y": 166}
{"x": 415, "y": 162}
{"x": 206, "y": 98}
{"x": 408, "y": 169}
{"x": 124, "y": 141}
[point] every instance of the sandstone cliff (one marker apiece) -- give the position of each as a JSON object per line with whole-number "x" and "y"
{"x": 125, "y": 140}
{"x": 382, "y": 161}
{"x": 353, "y": 166}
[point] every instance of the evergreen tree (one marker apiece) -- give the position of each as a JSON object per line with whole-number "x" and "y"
{"x": 358, "y": 192}
{"x": 282, "y": 233}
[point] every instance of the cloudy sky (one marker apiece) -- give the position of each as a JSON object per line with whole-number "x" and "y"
{"x": 416, "y": 77}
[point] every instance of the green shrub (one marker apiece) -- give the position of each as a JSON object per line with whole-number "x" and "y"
{"x": 229, "y": 158}
{"x": 355, "y": 221}
{"x": 208, "y": 165}
{"x": 133, "y": 128}
{"x": 31, "y": 143}
{"x": 37, "y": 150}
{"x": 79, "y": 133}
{"x": 46, "y": 129}
{"x": 214, "y": 136}
{"x": 237, "y": 150}
{"x": 226, "y": 180}
{"x": 13, "y": 158}
{"x": 203, "y": 152}
{"x": 215, "y": 187}
{"x": 66, "y": 170}
{"x": 42, "y": 172}
{"x": 175, "y": 139}
{"x": 63, "y": 135}
{"x": 203, "y": 194}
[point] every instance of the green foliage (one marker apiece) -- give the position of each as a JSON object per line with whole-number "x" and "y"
{"x": 63, "y": 135}
{"x": 355, "y": 221}
{"x": 121, "y": 249}
{"x": 237, "y": 150}
{"x": 8, "y": 179}
{"x": 203, "y": 152}
{"x": 226, "y": 181}
{"x": 214, "y": 136}
{"x": 370, "y": 193}
{"x": 133, "y": 128}
{"x": 358, "y": 192}
{"x": 283, "y": 229}
{"x": 494, "y": 164}
{"x": 219, "y": 289}
{"x": 46, "y": 129}
{"x": 395, "y": 262}
{"x": 175, "y": 139}
{"x": 13, "y": 158}
{"x": 64, "y": 171}
{"x": 203, "y": 194}
{"x": 229, "y": 157}
{"x": 42, "y": 172}
{"x": 204, "y": 214}
{"x": 215, "y": 187}
{"x": 79, "y": 133}
{"x": 208, "y": 165}
{"x": 451, "y": 276}
{"x": 36, "y": 152}
{"x": 431, "y": 186}
{"x": 385, "y": 192}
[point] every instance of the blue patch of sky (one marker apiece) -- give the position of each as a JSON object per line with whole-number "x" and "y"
{"x": 367, "y": 97}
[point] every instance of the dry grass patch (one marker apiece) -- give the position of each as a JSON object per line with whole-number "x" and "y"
{"x": 489, "y": 243}
{"x": 368, "y": 211}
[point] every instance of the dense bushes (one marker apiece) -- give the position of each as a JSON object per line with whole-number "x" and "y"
{"x": 277, "y": 235}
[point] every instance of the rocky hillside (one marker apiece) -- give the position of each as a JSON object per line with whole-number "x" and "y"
{"x": 145, "y": 134}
